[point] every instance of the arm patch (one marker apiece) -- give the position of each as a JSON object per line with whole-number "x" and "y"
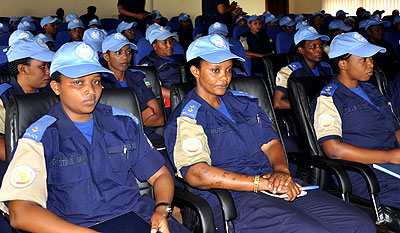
{"x": 122, "y": 112}
{"x": 37, "y": 129}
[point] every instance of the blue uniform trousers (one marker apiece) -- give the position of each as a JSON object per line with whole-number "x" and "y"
{"x": 315, "y": 212}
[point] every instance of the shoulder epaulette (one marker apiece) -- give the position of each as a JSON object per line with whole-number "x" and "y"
{"x": 328, "y": 90}
{"x": 325, "y": 64}
{"x": 295, "y": 65}
{"x": 147, "y": 82}
{"x": 241, "y": 93}
{"x": 37, "y": 129}
{"x": 4, "y": 87}
{"x": 122, "y": 112}
{"x": 190, "y": 109}
{"x": 134, "y": 70}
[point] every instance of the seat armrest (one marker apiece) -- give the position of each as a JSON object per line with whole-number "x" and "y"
{"x": 227, "y": 204}
{"x": 365, "y": 171}
{"x": 327, "y": 164}
{"x": 200, "y": 205}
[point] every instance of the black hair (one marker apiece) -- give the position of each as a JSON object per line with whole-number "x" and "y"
{"x": 13, "y": 66}
{"x": 196, "y": 63}
{"x": 301, "y": 44}
{"x": 335, "y": 62}
{"x": 56, "y": 76}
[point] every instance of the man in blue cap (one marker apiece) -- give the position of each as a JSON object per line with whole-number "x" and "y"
{"x": 353, "y": 121}
{"x": 375, "y": 31}
{"x": 50, "y": 26}
{"x": 349, "y": 21}
{"x": 47, "y": 40}
{"x": 70, "y": 17}
{"x": 94, "y": 23}
{"x": 29, "y": 61}
{"x": 76, "y": 29}
{"x": 287, "y": 24}
{"x": 213, "y": 145}
{"x": 310, "y": 45}
{"x": 341, "y": 15}
{"x": 156, "y": 17}
{"x": 185, "y": 32}
{"x": 76, "y": 165}
{"x": 117, "y": 52}
{"x": 127, "y": 29}
{"x": 166, "y": 63}
{"x": 14, "y": 21}
{"x": 317, "y": 21}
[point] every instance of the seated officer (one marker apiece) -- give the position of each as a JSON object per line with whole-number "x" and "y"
{"x": 95, "y": 23}
{"x": 353, "y": 121}
{"x": 76, "y": 29}
{"x": 29, "y": 61}
{"x": 117, "y": 52}
{"x": 220, "y": 138}
{"x": 309, "y": 44}
{"x": 259, "y": 44}
{"x": 14, "y": 21}
{"x": 127, "y": 30}
{"x": 27, "y": 26}
{"x": 166, "y": 63}
{"x": 47, "y": 40}
{"x": 49, "y": 25}
{"x": 337, "y": 27}
{"x": 76, "y": 166}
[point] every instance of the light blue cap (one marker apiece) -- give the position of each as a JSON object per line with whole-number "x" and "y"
{"x": 338, "y": 24}
{"x": 212, "y": 48}
{"x": 159, "y": 33}
{"x": 75, "y": 23}
{"x": 115, "y": 42}
{"x": 4, "y": 27}
{"x": 47, "y": 20}
{"x": 94, "y": 37}
{"x": 158, "y": 14}
{"x": 252, "y": 18}
{"x": 374, "y": 22}
{"x": 27, "y": 18}
{"x": 218, "y": 28}
{"x": 94, "y": 22}
{"x": 26, "y": 26}
{"x": 270, "y": 18}
{"x": 34, "y": 48}
{"x": 125, "y": 26}
{"x": 46, "y": 38}
{"x": 299, "y": 17}
{"x": 70, "y": 17}
{"x": 75, "y": 60}
{"x": 266, "y": 13}
{"x": 13, "y": 19}
{"x": 318, "y": 13}
{"x": 301, "y": 24}
{"x": 363, "y": 23}
{"x": 308, "y": 33}
{"x": 240, "y": 18}
{"x": 341, "y": 12}
{"x": 353, "y": 43}
{"x": 149, "y": 29}
{"x": 286, "y": 20}
{"x": 349, "y": 19}
{"x": 183, "y": 16}
{"x": 19, "y": 34}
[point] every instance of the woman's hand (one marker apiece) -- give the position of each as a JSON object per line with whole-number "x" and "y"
{"x": 280, "y": 182}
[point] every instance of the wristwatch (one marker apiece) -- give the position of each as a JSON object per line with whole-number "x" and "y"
{"x": 168, "y": 209}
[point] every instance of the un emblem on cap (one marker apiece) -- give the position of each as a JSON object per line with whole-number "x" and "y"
{"x": 94, "y": 20}
{"x": 119, "y": 36}
{"x": 1, "y": 25}
{"x": 164, "y": 29}
{"x": 40, "y": 41}
{"x": 95, "y": 35}
{"x": 218, "y": 42}
{"x": 311, "y": 29}
{"x": 26, "y": 23}
{"x": 24, "y": 35}
{"x": 84, "y": 51}
{"x": 359, "y": 37}
{"x": 217, "y": 25}
{"x": 75, "y": 21}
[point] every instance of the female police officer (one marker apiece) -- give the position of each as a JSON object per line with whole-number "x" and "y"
{"x": 352, "y": 119}
{"x": 220, "y": 138}
{"x": 76, "y": 165}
